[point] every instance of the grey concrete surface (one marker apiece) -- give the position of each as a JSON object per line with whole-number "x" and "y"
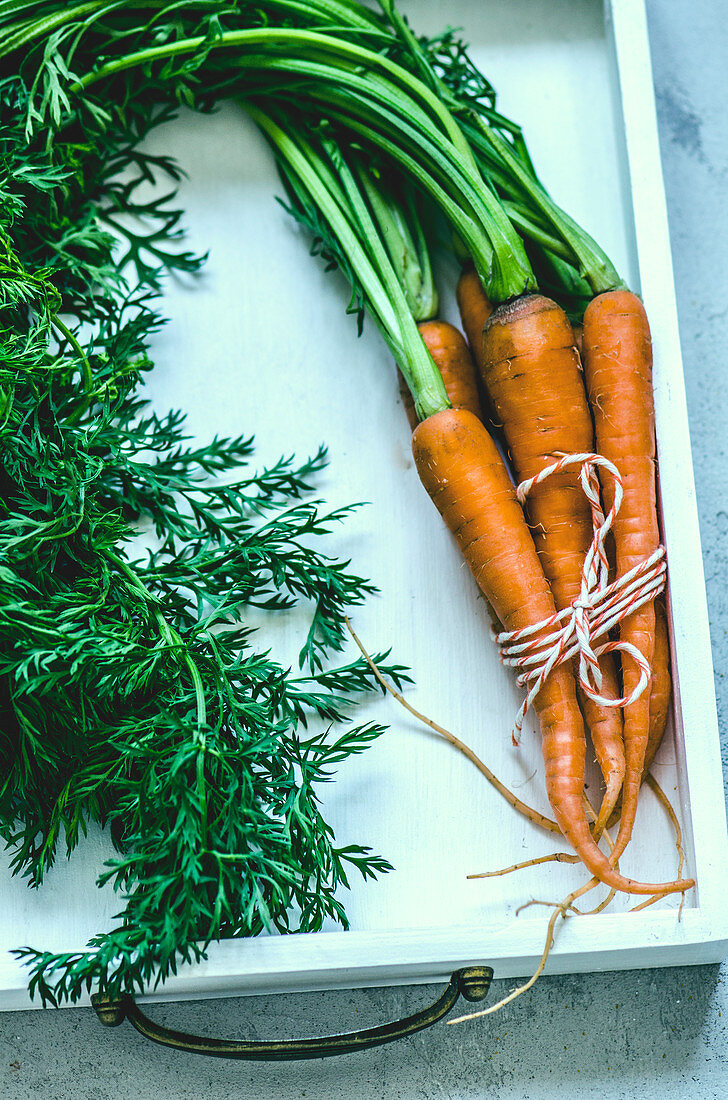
{"x": 625, "y": 1035}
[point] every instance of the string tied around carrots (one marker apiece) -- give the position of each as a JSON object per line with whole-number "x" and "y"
{"x": 534, "y": 651}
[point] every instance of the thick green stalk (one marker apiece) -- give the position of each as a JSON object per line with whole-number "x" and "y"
{"x": 271, "y": 37}
{"x": 456, "y": 103}
{"x": 407, "y": 108}
{"x": 406, "y": 246}
{"x": 428, "y": 296}
{"x": 530, "y": 230}
{"x": 338, "y": 13}
{"x": 369, "y": 261}
{"x": 88, "y": 378}
{"x": 16, "y": 37}
{"x": 592, "y": 262}
{"x": 342, "y": 14}
{"x": 517, "y": 178}
{"x": 504, "y": 271}
{"x": 497, "y": 251}
{"x": 406, "y": 134}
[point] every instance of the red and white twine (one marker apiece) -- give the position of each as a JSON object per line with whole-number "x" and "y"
{"x": 536, "y": 650}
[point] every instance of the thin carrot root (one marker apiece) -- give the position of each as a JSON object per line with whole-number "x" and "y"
{"x": 666, "y": 805}
{"x": 546, "y": 904}
{"x": 597, "y": 908}
{"x": 561, "y": 909}
{"x": 555, "y": 857}
{"x": 571, "y": 908}
{"x": 599, "y": 834}
{"x": 651, "y": 901}
{"x": 523, "y": 808}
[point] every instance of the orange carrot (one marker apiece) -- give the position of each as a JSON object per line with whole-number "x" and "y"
{"x": 453, "y": 359}
{"x": 459, "y": 465}
{"x": 660, "y": 692}
{"x": 532, "y": 375}
{"x": 661, "y": 686}
{"x": 618, "y": 365}
{"x": 475, "y": 308}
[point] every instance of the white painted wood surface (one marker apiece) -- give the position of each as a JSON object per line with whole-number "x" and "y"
{"x": 261, "y": 343}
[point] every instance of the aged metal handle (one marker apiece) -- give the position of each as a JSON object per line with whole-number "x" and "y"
{"x": 473, "y": 982}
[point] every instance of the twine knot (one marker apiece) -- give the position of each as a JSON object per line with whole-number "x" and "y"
{"x": 535, "y": 651}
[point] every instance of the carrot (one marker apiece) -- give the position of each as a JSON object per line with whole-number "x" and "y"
{"x": 617, "y": 352}
{"x": 475, "y": 308}
{"x": 452, "y": 357}
{"x": 453, "y": 360}
{"x": 532, "y": 374}
{"x": 459, "y": 465}
{"x": 661, "y": 687}
{"x": 660, "y": 692}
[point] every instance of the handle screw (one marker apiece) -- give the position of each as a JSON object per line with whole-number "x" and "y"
{"x": 475, "y": 982}
{"x": 110, "y": 1013}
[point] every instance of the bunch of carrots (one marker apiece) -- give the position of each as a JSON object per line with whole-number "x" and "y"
{"x": 551, "y": 398}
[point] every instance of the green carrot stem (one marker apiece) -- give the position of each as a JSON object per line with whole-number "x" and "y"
{"x": 512, "y": 272}
{"x": 467, "y": 201}
{"x": 384, "y": 294}
{"x": 271, "y": 37}
{"x": 429, "y": 297}
{"x": 353, "y": 15}
{"x": 88, "y": 378}
{"x": 593, "y": 263}
{"x": 405, "y": 245}
{"x": 521, "y": 217}
{"x": 504, "y": 270}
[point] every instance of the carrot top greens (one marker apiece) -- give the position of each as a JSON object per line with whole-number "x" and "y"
{"x": 133, "y": 692}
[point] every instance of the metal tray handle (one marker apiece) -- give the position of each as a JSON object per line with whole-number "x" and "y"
{"x": 473, "y": 982}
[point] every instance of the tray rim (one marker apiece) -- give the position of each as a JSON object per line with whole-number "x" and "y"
{"x": 322, "y": 960}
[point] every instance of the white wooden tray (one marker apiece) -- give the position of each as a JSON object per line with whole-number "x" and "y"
{"x": 261, "y": 343}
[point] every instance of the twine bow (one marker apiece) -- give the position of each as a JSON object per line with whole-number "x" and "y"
{"x": 535, "y": 651}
